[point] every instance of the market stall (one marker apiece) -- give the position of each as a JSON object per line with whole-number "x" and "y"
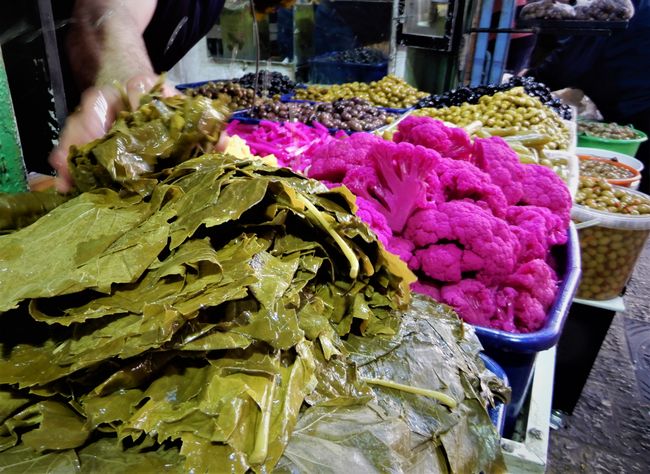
{"x": 403, "y": 182}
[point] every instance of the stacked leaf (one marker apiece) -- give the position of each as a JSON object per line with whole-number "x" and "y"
{"x": 185, "y": 321}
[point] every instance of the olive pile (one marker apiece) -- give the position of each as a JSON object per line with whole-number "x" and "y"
{"x": 238, "y": 96}
{"x": 608, "y": 260}
{"x": 603, "y": 169}
{"x": 356, "y": 56}
{"x": 390, "y": 92}
{"x": 269, "y": 83}
{"x": 598, "y": 194}
{"x": 471, "y": 95}
{"x": 513, "y": 109}
{"x": 612, "y": 131}
{"x": 345, "y": 114}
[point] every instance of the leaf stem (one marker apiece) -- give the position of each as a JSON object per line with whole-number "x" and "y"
{"x": 260, "y": 452}
{"x": 441, "y": 397}
{"x": 347, "y": 251}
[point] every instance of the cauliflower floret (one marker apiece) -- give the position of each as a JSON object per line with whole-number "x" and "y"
{"x": 441, "y": 262}
{"x": 375, "y": 220}
{"x": 473, "y": 300}
{"x": 489, "y": 248}
{"x": 450, "y": 142}
{"x": 426, "y": 289}
{"x": 461, "y": 180}
{"x": 403, "y": 248}
{"x": 496, "y": 158}
{"x": 542, "y": 187}
{"x": 333, "y": 160}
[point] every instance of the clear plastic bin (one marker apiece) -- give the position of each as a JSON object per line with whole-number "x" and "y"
{"x": 610, "y": 245}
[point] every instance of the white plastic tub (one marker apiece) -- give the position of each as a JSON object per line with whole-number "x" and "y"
{"x": 610, "y": 245}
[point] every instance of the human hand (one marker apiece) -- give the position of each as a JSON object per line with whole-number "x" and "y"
{"x": 95, "y": 115}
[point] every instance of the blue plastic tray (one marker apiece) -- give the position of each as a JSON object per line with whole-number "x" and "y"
{"x": 516, "y": 353}
{"x": 569, "y": 259}
{"x": 498, "y": 412}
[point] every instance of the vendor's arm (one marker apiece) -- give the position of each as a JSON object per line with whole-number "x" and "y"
{"x": 105, "y": 47}
{"x": 105, "y": 42}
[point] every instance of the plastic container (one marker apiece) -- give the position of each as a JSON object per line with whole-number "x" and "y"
{"x": 498, "y": 412}
{"x": 515, "y": 352}
{"x": 635, "y": 177}
{"x": 627, "y": 147}
{"x": 608, "y": 154}
{"x": 324, "y": 71}
{"x": 611, "y": 245}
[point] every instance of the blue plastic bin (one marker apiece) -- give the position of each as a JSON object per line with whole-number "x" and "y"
{"x": 497, "y": 412}
{"x": 324, "y": 71}
{"x": 516, "y": 353}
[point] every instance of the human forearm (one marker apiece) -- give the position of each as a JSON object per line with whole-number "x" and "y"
{"x": 105, "y": 41}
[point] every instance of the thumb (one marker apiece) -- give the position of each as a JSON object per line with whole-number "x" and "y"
{"x": 94, "y": 116}
{"x": 141, "y": 84}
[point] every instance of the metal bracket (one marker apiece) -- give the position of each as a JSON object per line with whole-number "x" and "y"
{"x": 530, "y": 456}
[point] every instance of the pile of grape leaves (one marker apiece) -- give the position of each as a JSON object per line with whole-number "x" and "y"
{"x": 189, "y": 311}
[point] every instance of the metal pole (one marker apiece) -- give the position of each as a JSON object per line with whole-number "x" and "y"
{"x": 481, "y": 52}
{"x": 502, "y": 43}
{"x": 53, "y": 61}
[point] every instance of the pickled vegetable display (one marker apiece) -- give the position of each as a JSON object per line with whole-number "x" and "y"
{"x": 343, "y": 114}
{"x": 608, "y": 260}
{"x": 598, "y": 194}
{"x": 612, "y": 131}
{"x": 610, "y": 247}
{"x": 511, "y": 110}
{"x": 269, "y": 83}
{"x": 390, "y": 91}
{"x": 202, "y": 312}
{"x": 241, "y": 91}
{"x": 602, "y": 168}
{"x": 471, "y": 95}
{"x": 237, "y": 96}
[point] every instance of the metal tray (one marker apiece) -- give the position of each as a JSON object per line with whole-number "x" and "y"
{"x": 569, "y": 25}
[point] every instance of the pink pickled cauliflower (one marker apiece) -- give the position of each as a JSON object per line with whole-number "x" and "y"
{"x": 449, "y": 142}
{"x": 496, "y": 158}
{"x": 473, "y": 223}
{"x": 485, "y": 246}
{"x": 461, "y": 180}
{"x": 292, "y": 143}
{"x": 543, "y": 188}
{"x": 332, "y": 161}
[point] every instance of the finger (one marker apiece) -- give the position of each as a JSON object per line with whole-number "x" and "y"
{"x": 93, "y": 118}
{"x": 137, "y": 86}
{"x": 222, "y": 144}
{"x": 59, "y": 161}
